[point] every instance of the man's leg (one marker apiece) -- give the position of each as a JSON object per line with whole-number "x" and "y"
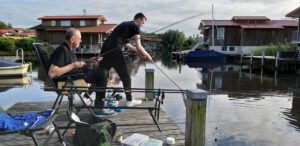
{"x": 123, "y": 72}
{"x": 98, "y": 77}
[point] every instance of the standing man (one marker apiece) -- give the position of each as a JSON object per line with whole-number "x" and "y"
{"x": 113, "y": 56}
{"x": 63, "y": 60}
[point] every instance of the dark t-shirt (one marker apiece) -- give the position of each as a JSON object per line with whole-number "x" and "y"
{"x": 120, "y": 35}
{"x": 62, "y": 56}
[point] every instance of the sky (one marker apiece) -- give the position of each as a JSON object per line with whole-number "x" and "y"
{"x": 160, "y": 13}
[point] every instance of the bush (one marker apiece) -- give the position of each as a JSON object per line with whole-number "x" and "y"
{"x": 272, "y": 49}
{"x": 25, "y": 44}
{"x": 7, "y": 45}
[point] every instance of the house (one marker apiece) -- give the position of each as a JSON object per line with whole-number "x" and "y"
{"x": 296, "y": 34}
{"x": 93, "y": 30}
{"x": 242, "y": 34}
{"x": 151, "y": 42}
{"x": 11, "y": 31}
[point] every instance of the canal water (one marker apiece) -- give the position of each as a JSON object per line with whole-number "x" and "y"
{"x": 243, "y": 109}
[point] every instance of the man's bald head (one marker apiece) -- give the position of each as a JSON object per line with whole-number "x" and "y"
{"x": 73, "y": 37}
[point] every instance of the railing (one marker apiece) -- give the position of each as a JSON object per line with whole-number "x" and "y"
{"x": 296, "y": 37}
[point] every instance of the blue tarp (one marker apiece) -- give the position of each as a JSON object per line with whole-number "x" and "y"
{"x": 24, "y": 121}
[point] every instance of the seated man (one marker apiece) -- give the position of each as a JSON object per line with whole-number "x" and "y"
{"x": 63, "y": 60}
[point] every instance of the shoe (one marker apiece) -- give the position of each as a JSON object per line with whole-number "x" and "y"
{"x": 87, "y": 101}
{"x": 134, "y": 102}
{"x": 104, "y": 113}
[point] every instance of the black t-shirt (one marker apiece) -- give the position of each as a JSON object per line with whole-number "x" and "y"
{"x": 62, "y": 56}
{"x": 120, "y": 35}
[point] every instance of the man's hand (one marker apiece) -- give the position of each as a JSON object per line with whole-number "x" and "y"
{"x": 94, "y": 59}
{"x": 144, "y": 56}
{"x": 79, "y": 64}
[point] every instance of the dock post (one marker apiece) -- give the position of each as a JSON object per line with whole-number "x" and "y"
{"x": 241, "y": 59}
{"x": 277, "y": 59}
{"x": 149, "y": 83}
{"x": 251, "y": 59}
{"x": 195, "y": 117}
{"x": 262, "y": 59}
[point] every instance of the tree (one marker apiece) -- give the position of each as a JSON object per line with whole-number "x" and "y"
{"x": 8, "y": 25}
{"x": 2, "y": 25}
{"x": 172, "y": 40}
{"x": 188, "y": 43}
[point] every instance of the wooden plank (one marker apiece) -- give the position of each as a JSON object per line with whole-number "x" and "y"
{"x": 128, "y": 122}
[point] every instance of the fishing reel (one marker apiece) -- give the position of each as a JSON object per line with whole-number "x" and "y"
{"x": 159, "y": 99}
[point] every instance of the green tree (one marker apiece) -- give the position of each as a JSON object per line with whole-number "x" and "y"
{"x": 2, "y": 24}
{"x": 7, "y": 45}
{"x": 172, "y": 40}
{"x": 188, "y": 43}
{"x": 9, "y": 25}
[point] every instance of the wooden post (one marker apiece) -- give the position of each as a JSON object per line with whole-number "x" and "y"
{"x": 251, "y": 59}
{"x": 149, "y": 83}
{"x": 262, "y": 59}
{"x": 277, "y": 59}
{"x": 195, "y": 117}
{"x": 241, "y": 59}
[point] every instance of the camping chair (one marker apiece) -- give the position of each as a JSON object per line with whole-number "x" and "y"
{"x": 40, "y": 121}
{"x": 73, "y": 78}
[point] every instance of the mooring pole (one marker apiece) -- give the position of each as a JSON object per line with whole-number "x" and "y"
{"x": 195, "y": 117}
{"x": 149, "y": 83}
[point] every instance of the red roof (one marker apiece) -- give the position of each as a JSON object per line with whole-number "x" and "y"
{"x": 243, "y": 18}
{"x": 294, "y": 13}
{"x": 6, "y": 30}
{"x": 102, "y": 28}
{"x": 106, "y": 28}
{"x": 76, "y": 17}
{"x": 219, "y": 23}
{"x": 272, "y": 24}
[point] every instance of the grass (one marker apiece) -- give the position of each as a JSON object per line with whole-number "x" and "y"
{"x": 272, "y": 49}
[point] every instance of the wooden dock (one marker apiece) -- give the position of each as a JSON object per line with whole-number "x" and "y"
{"x": 128, "y": 122}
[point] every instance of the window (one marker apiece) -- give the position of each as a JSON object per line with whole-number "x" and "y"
{"x": 82, "y": 22}
{"x": 224, "y": 48}
{"x": 65, "y": 23}
{"x": 53, "y": 23}
{"x": 220, "y": 33}
{"x": 231, "y": 48}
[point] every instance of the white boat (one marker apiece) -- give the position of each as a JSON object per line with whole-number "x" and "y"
{"x": 11, "y": 68}
{"x": 15, "y": 70}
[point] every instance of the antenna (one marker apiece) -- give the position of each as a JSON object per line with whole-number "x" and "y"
{"x": 84, "y": 12}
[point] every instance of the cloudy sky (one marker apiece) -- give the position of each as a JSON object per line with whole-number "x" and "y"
{"x": 24, "y": 13}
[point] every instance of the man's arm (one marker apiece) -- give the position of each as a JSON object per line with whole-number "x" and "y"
{"x": 57, "y": 71}
{"x": 140, "y": 49}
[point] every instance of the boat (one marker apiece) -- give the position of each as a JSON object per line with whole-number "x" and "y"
{"x": 205, "y": 55}
{"x": 12, "y": 68}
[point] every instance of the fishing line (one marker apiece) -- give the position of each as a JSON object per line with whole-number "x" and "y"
{"x": 166, "y": 75}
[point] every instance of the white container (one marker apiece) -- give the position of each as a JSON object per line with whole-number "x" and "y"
{"x": 153, "y": 142}
{"x": 135, "y": 139}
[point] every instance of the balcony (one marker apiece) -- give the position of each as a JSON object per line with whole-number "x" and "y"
{"x": 296, "y": 37}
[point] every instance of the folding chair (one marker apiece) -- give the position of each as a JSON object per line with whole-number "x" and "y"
{"x": 74, "y": 78}
{"x": 38, "y": 125}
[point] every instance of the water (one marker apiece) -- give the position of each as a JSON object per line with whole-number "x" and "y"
{"x": 242, "y": 109}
